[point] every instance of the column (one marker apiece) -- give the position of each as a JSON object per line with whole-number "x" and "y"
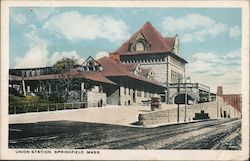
{"x": 23, "y": 85}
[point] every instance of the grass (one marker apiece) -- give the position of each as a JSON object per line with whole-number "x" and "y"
{"x": 23, "y": 104}
{"x": 16, "y": 100}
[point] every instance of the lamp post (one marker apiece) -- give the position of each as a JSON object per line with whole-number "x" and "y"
{"x": 178, "y": 103}
{"x": 186, "y": 99}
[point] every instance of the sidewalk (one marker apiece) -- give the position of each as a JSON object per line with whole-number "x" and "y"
{"x": 110, "y": 114}
{"x": 119, "y": 115}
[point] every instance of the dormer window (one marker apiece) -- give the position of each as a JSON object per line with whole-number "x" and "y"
{"x": 140, "y": 44}
{"x": 91, "y": 65}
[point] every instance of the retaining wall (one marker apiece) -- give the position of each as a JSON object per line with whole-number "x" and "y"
{"x": 214, "y": 109}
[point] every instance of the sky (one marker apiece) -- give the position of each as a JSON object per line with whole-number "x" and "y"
{"x": 210, "y": 38}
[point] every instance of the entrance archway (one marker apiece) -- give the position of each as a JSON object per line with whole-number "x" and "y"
{"x": 180, "y": 98}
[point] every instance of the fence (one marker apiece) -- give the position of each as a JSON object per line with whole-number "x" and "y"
{"x": 26, "y": 108}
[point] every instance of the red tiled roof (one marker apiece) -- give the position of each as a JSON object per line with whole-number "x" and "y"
{"x": 154, "y": 38}
{"x": 98, "y": 77}
{"x": 112, "y": 67}
{"x": 116, "y": 68}
{"x": 131, "y": 66}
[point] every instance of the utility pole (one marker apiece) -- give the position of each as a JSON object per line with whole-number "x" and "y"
{"x": 178, "y": 103}
{"x": 185, "y": 113}
{"x": 186, "y": 98}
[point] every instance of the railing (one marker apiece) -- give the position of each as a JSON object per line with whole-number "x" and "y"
{"x": 43, "y": 107}
{"x": 183, "y": 85}
{"x": 190, "y": 85}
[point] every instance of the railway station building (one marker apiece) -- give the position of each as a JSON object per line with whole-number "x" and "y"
{"x": 146, "y": 65}
{"x": 97, "y": 82}
{"x": 162, "y": 56}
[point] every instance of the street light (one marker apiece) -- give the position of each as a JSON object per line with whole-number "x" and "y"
{"x": 186, "y": 100}
{"x": 178, "y": 103}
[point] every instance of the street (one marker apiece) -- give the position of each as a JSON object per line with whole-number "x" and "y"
{"x": 210, "y": 134}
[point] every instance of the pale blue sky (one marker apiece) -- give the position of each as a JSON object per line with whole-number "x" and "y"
{"x": 210, "y": 38}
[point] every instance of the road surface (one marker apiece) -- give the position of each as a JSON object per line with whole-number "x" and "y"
{"x": 211, "y": 134}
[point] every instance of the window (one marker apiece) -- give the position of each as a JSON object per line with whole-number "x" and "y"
{"x": 91, "y": 65}
{"x": 139, "y": 46}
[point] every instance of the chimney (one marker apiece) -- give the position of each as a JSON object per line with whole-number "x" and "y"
{"x": 115, "y": 56}
{"x": 219, "y": 91}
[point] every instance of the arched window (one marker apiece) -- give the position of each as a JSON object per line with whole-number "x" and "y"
{"x": 139, "y": 46}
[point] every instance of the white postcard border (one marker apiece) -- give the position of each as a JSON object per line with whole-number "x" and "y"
{"x": 6, "y": 153}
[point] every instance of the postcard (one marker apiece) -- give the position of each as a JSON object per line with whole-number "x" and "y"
{"x": 125, "y": 80}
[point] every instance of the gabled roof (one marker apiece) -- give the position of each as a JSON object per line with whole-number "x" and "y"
{"x": 114, "y": 68}
{"x": 157, "y": 42}
{"x": 90, "y": 58}
{"x": 130, "y": 67}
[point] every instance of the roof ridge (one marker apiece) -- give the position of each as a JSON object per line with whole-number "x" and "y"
{"x": 152, "y": 36}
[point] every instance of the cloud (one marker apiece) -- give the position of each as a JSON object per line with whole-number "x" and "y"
{"x": 65, "y": 54}
{"x": 234, "y": 31}
{"x": 197, "y": 27}
{"x": 187, "y": 23}
{"x": 213, "y": 70}
{"x": 76, "y": 27}
{"x": 19, "y": 18}
{"x": 37, "y": 55}
{"x": 43, "y": 13}
{"x": 204, "y": 56}
{"x": 101, "y": 54}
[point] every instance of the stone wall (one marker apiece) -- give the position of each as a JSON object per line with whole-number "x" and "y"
{"x": 177, "y": 67}
{"x": 94, "y": 99}
{"x": 127, "y": 99}
{"x": 214, "y": 109}
{"x": 159, "y": 69}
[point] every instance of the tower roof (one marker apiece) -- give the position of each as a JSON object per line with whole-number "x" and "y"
{"x": 157, "y": 42}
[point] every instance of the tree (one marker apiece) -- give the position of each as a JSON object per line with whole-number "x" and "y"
{"x": 65, "y": 82}
{"x": 65, "y": 65}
